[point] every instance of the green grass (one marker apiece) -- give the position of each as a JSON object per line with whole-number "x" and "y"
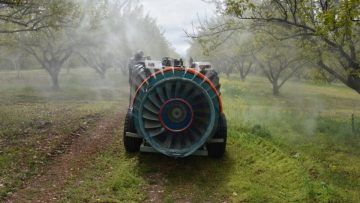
{"x": 297, "y": 147}
{"x": 111, "y": 177}
{"x": 312, "y": 153}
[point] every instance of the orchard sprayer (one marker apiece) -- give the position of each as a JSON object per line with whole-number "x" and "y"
{"x": 175, "y": 110}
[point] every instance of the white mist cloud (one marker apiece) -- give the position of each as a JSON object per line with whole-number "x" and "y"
{"x": 175, "y": 16}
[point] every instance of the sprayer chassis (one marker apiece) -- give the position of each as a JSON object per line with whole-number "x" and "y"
{"x": 146, "y": 147}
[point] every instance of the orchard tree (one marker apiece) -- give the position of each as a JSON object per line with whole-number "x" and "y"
{"x": 51, "y": 48}
{"x": 244, "y": 49}
{"x": 100, "y": 61}
{"x": 228, "y": 53}
{"x": 13, "y": 53}
{"x": 24, "y": 15}
{"x": 279, "y": 63}
{"x": 114, "y": 31}
{"x": 244, "y": 66}
{"x": 278, "y": 60}
{"x": 16, "y": 58}
{"x": 331, "y": 29}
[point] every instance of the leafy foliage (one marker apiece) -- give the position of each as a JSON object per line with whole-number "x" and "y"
{"x": 100, "y": 35}
{"x": 23, "y": 15}
{"x": 332, "y": 27}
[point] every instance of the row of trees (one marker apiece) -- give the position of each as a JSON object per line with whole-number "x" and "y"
{"x": 256, "y": 53}
{"x": 284, "y": 39}
{"x": 96, "y": 34}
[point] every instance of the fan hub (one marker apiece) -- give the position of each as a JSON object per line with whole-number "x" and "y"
{"x": 176, "y": 115}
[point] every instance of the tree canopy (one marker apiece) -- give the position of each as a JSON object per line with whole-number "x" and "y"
{"x": 329, "y": 29}
{"x": 98, "y": 34}
{"x": 25, "y": 15}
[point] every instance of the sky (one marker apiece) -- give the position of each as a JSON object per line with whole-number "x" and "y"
{"x": 175, "y": 16}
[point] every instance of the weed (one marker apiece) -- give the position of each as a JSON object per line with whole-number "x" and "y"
{"x": 261, "y": 131}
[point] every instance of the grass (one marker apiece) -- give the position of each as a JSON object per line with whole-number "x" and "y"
{"x": 312, "y": 153}
{"x": 297, "y": 147}
{"x": 34, "y": 121}
{"x": 111, "y": 177}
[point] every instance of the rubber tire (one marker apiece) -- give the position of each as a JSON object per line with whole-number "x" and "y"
{"x": 139, "y": 74}
{"x": 131, "y": 144}
{"x": 213, "y": 76}
{"x": 217, "y": 150}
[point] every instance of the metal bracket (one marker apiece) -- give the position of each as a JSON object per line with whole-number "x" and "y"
{"x": 134, "y": 135}
{"x": 149, "y": 149}
{"x": 216, "y": 140}
{"x": 145, "y": 147}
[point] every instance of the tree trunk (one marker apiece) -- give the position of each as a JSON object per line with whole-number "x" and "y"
{"x": 16, "y": 68}
{"x": 18, "y": 75}
{"x": 55, "y": 81}
{"x": 54, "y": 71}
{"x": 354, "y": 83}
{"x": 244, "y": 71}
{"x": 227, "y": 74}
{"x": 242, "y": 75}
{"x": 353, "y": 77}
{"x": 276, "y": 88}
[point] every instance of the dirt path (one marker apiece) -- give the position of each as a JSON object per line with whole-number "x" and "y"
{"x": 81, "y": 148}
{"x": 156, "y": 189}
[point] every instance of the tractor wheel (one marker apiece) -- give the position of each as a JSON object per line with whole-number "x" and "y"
{"x": 131, "y": 144}
{"x": 217, "y": 150}
{"x": 214, "y": 77}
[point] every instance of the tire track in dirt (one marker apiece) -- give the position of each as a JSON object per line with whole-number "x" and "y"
{"x": 81, "y": 147}
{"x": 156, "y": 189}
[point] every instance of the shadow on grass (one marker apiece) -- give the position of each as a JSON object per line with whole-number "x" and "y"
{"x": 195, "y": 178}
